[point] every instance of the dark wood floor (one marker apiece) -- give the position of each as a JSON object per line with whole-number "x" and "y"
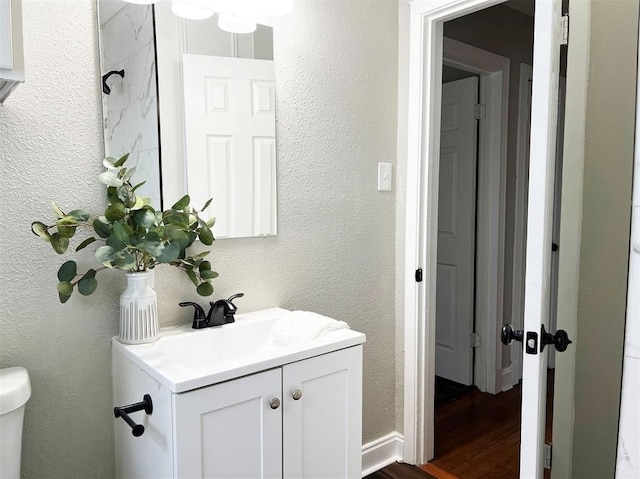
{"x": 400, "y": 471}
{"x": 478, "y": 435}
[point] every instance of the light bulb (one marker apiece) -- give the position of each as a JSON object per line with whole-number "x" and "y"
{"x": 186, "y": 9}
{"x": 233, "y": 24}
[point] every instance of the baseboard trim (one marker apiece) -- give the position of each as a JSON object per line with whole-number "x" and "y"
{"x": 381, "y": 452}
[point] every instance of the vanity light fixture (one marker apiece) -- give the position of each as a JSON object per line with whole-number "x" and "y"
{"x": 235, "y": 24}
{"x": 239, "y": 9}
{"x": 190, "y": 10}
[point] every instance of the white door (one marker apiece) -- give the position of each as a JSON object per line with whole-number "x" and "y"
{"x": 546, "y": 63}
{"x": 230, "y": 429}
{"x": 230, "y": 142}
{"x": 456, "y": 231}
{"x": 322, "y": 423}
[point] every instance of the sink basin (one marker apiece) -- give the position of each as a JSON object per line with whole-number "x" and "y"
{"x": 184, "y": 358}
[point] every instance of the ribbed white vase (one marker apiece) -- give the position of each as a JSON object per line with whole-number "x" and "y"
{"x": 139, "y": 310}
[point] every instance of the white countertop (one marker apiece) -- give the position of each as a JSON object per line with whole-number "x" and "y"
{"x": 184, "y": 358}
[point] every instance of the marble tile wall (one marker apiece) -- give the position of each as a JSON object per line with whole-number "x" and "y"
{"x": 131, "y": 109}
{"x": 628, "y": 460}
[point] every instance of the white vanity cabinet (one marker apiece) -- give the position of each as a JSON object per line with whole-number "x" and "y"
{"x": 254, "y": 427}
{"x": 300, "y": 419}
{"x": 11, "y": 51}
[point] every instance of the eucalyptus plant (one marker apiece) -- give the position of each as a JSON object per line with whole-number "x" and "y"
{"x": 131, "y": 234}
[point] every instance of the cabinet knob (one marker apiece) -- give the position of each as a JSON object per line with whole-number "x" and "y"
{"x": 296, "y": 394}
{"x": 274, "y": 403}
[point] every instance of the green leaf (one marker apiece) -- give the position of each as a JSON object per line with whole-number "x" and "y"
{"x": 205, "y": 235}
{"x": 105, "y": 255}
{"x": 66, "y": 226}
{"x": 90, "y": 274}
{"x": 207, "y": 204}
{"x": 65, "y": 288}
{"x": 145, "y": 218}
{"x": 205, "y": 266}
{"x": 182, "y": 203}
{"x": 154, "y": 248}
{"x": 110, "y": 179}
{"x": 109, "y": 162}
{"x": 80, "y": 215}
{"x": 138, "y": 185}
{"x": 121, "y": 161}
{"x": 40, "y": 229}
{"x": 86, "y": 286}
{"x": 192, "y": 237}
{"x": 116, "y": 243}
{"x": 205, "y": 289}
{"x": 63, "y": 297}
{"x": 172, "y": 217}
{"x": 124, "y": 260}
{"x": 126, "y": 195}
{"x": 192, "y": 277}
{"x": 128, "y": 173}
{"x": 170, "y": 253}
{"x": 120, "y": 232}
{"x": 211, "y": 221}
{"x": 67, "y": 271}
{"x": 85, "y": 243}
{"x": 207, "y": 274}
{"x": 115, "y": 212}
{"x": 174, "y": 233}
{"x": 56, "y": 210}
{"x": 101, "y": 228}
{"x": 59, "y": 243}
{"x": 201, "y": 255}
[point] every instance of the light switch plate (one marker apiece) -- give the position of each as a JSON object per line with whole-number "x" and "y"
{"x": 385, "y": 176}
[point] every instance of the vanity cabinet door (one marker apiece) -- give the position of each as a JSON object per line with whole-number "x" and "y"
{"x": 322, "y": 421}
{"x": 232, "y": 429}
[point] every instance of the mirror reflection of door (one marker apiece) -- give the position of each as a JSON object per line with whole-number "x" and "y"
{"x": 230, "y": 142}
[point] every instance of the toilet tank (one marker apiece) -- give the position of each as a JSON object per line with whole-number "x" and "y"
{"x": 15, "y": 390}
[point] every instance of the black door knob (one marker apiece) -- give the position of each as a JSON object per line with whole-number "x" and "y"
{"x": 560, "y": 340}
{"x": 507, "y": 335}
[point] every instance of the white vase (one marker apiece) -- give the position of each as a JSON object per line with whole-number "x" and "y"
{"x": 139, "y": 310}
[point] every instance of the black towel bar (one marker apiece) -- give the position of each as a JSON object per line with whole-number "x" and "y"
{"x": 124, "y": 411}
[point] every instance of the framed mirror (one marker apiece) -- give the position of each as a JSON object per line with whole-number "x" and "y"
{"x": 195, "y": 108}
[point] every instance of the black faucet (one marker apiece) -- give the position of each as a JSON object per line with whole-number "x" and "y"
{"x": 221, "y": 312}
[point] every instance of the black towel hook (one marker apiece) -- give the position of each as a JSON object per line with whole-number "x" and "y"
{"x": 105, "y": 77}
{"x": 123, "y": 412}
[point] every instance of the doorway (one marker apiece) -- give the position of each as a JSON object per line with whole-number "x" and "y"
{"x": 420, "y": 301}
{"x": 502, "y": 431}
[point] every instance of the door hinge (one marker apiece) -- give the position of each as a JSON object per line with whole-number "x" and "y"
{"x": 564, "y": 30}
{"x": 419, "y": 275}
{"x": 479, "y": 111}
{"x": 475, "y": 340}
{"x": 548, "y": 449}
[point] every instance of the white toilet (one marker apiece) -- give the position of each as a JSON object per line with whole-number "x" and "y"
{"x": 15, "y": 390}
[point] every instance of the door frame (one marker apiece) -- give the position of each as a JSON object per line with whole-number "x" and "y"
{"x": 490, "y": 223}
{"x": 426, "y": 18}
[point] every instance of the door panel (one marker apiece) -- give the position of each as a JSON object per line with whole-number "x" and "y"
{"x": 546, "y": 62}
{"x": 456, "y": 231}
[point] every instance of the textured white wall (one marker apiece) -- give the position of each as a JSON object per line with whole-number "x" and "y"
{"x": 337, "y": 97}
{"x": 50, "y": 147}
